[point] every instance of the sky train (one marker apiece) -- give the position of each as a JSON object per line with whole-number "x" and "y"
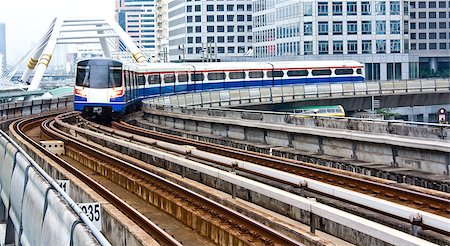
{"x": 109, "y": 87}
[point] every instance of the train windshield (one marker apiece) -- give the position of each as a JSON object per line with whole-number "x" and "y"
{"x": 98, "y": 76}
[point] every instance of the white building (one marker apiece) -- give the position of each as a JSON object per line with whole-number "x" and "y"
{"x": 200, "y": 30}
{"x": 372, "y": 32}
{"x": 146, "y": 22}
{"x": 430, "y": 35}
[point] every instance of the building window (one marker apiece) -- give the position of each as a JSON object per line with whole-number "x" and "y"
{"x": 413, "y": 36}
{"x": 220, "y": 7}
{"x": 413, "y": 46}
{"x": 337, "y": 8}
{"x": 395, "y": 46}
{"x": 198, "y": 8}
{"x": 210, "y": 18}
{"x": 352, "y": 47}
{"x": 307, "y": 28}
{"x": 431, "y": 5}
{"x": 381, "y": 27}
{"x": 249, "y": 7}
{"x": 381, "y": 46}
{"x": 209, "y": 7}
{"x": 308, "y": 47}
{"x": 241, "y": 49}
{"x": 413, "y": 25}
{"x": 432, "y": 46}
{"x": 230, "y": 28}
{"x": 442, "y": 4}
{"x": 442, "y": 46}
{"x": 241, "y": 39}
{"x": 190, "y": 50}
{"x": 307, "y": 9}
{"x": 422, "y": 46}
{"x": 323, "y": 47}
{"x": 351, "y": 8}
{"x": 220, "y": 29}
{"x": 395, "y": 7}
{"x": 198, "y": 29}
{"x": 240, "y": 29}
{"x": 366, "y": 8}
{"x": 412, "y": 15}
{"x": 422, "y": 25}
{"x": 338, "y": 47}
{"x": 422, "y": 15}
{"x": 249, "y": 18}
{"x": 422, "y": 35}
{"x": 352, "y": 27}
{"x": 432, "y": 35}
{"x": 381, "y": 7}
{"x": 367, "y": 46}
{"x": 323, "y": 28}
{"x": 395, "y": 27}
{"x": 366, "y": 27}
{"x": 220, "y": 18}
{"x": 210, "y": 39}
{"x": 422, "y": 5}
{"x": 190, "y": 40}
{"x": 337, "y": 27}
{"x": 220, "y": 39}
{"x": 220, "y": 50}
{"x": 240, "y": 17}
{"x": 442, "y": 35}
{"x": 442, "y": 15}
{"x": 432, "y": 25}
{"x": 198, "y": 40}
{"x": 189, "y": 29}
{"x": 188, "y": 19}
{"x": 230, "y": 17}
{"x": 432, "y": 15}
{"x": 210, "y": 28}
{"x": 230, "y": 39}
{"x": 322, "y": 8}
{"x": 230, "y": 50}
{"x": 240, "y": 7}
{"x": 442, "y": 25}
{"x": 230, "y": 7}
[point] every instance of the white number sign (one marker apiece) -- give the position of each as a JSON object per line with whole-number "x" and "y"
{"x": 93, "y": 212}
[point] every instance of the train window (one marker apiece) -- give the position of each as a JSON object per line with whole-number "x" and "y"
{"x": 183, "y": 77}
{"x": 297, "y": 73}
{"x": 359, "y": 71}
{"x": 236, "y": 75}
{"x": 197, "y": 77}
{"x": 127, "y": 79}
{"x": 343, "y": 71}
{"x": 256, "y": 74}
{"x": 82, "y": 78}
{"x": 154, "y": 79}
{"x": 216, "y": 76}
{"x": 321, "y": 72}
{"x": 115, "y": 77}
{"x": 141, "y": 80}
{"x": 169, "y": 78}
{"x": 275, "y": 74}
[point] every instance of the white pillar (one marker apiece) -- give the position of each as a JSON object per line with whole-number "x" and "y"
{"x": 126, "y": 39}
{"x": 46, "y": 56}
{"x": 103, "y": 43}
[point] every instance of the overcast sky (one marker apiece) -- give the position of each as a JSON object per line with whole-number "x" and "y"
{"x": 27, "y": 20}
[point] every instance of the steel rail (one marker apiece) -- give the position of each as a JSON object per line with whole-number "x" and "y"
{"x": 147, "y": 225}
{"x": 356, "y": 184}
{"x": 268, "y": 234}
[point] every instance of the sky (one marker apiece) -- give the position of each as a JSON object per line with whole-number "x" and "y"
{"x": 27, "y": 21}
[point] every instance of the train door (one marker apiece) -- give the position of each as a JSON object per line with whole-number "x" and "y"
{"x": 236, "y": 80}
{"x": 168, "y": 86}
{"x": 197, "y": 78}
{"x": 154, "y": 83}
{"x": 255, "y": 78}
{"x": 127, "y": 85}
{"x": 182, "y": 82}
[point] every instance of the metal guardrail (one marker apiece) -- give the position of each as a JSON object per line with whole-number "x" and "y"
{"x": 295, "y": 92}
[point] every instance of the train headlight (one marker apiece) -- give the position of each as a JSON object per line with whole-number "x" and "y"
{"x": 80, "y": 91}
{"x": 116, "y": 92}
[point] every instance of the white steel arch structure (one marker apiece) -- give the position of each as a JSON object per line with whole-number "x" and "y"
{"x": 114, "y": 41}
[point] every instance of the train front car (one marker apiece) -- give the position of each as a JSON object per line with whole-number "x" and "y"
{"x": 99, "y": 89}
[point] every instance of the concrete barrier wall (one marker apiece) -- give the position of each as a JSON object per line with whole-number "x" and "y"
{"x": 23, "y": 108}
{"x": 181, "y": 103}
{"x": 34, "y": 212}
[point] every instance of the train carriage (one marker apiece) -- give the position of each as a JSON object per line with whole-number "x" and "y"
{"x": 107, "y": 86}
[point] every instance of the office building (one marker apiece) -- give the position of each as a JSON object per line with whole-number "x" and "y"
{"x": 430, "y": 36}
{"x": 3, "y": 46}
{"x": 200, "y": 30}
{"x": 375, "y": 33}
{"x": 146, "y": 22}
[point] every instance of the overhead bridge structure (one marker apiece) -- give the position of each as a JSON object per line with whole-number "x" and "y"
{"x": 113, "y": 40}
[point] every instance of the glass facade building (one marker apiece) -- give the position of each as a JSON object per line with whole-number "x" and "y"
{"x": 430, "y": 36}
{"x": 209, "y": 29}
{"x": 146, "y": 22}
{"x": 3, "y": 46}
{"x": 372, "y": 32}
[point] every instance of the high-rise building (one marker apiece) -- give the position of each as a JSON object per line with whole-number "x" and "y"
{"x": 372, "y": 32}
{"x": 3, "y": 45}
{"x": 146, "y": 22}
{"x": 430, "y": 36}
{"x": 200, "y": 30}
